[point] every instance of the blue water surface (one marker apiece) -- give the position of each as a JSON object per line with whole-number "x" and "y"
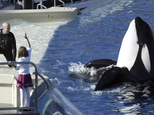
{"x": 97, "y": 34}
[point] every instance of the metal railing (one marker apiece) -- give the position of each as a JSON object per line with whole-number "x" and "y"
{"x": 59, "y": 1}
{"x": 46, "y": 88}
{"x": 41, "y": 5}
{"x": 36, "y": 86}
{"x": 22, "y": 3}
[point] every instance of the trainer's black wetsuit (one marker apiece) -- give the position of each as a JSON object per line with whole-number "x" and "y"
{"x": 8, "y": 46}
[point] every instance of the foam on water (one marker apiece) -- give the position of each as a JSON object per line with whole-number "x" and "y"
{"x": 77, "y": 67}
{"x": 77, "y": 70}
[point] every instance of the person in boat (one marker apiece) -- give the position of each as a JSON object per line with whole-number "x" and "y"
{"x": 7, "y": 43}
{"x": 24, "y": 79}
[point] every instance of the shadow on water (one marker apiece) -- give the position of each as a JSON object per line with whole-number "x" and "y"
{"x": 97, "y": 34}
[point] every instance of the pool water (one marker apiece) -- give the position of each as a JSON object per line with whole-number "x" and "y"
{"x": 60, "y": 48}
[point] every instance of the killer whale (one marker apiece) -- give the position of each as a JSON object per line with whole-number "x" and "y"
{"x": 136, "y": 57}
{"x": 136, "y": 54}
{"x": 137, "y": 51}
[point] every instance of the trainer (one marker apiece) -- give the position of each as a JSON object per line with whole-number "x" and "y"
{"x": 7, "y": 42}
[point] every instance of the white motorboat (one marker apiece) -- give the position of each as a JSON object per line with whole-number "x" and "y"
{"x": 43, "y": 14}
{"x": 46, "y": 99}
{"x": 39, "y": 15}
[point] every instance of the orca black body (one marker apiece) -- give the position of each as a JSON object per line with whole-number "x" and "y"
{"x": 144, "y": 64}
{"x": 100, "y": 63}
{"x": 139, "y": 58}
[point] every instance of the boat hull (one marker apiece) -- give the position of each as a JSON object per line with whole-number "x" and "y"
{"x": 40, "y": 15}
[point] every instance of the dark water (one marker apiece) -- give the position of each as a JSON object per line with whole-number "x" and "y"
{"x": 97, "y": 34}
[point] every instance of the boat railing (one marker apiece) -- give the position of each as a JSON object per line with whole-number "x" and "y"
{"x": 22, "y": 3}
{"x": 47, "y": 88}
{"x": 41, "y": 5}
{"x": 36, "y": 86}
{"x": 59, "y": 1}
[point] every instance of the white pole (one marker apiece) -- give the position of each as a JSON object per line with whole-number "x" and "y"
{"x": 54, "y": 3}
{"x": 41, "y": 3}
{"x": 23, "y": 4}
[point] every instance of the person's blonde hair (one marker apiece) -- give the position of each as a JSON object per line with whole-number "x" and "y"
{"x": 22, "y": 52}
